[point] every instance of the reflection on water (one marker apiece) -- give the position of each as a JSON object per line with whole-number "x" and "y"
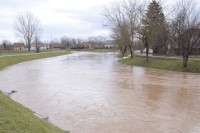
{"x": 93, "y": 93}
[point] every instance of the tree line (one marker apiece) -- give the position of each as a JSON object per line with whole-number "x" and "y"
{"x": 133, "y": 21}
{"x": 63, "y": 42}
{"x": 28, "y": 27}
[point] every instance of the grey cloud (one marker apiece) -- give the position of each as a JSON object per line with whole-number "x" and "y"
{"x": 82, "y": 22}
{"x": 21, "y": 3}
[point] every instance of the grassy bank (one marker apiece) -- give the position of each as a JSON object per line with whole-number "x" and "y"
{"x": 15, "y": 118}
{"x": 11, "y": 52}
{"x": 166, "y": 64}
{"x": 11, "y": 60}
{"x": 15, "y": 52}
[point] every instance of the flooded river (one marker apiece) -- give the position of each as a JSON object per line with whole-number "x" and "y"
{"x": 93, "y": 93}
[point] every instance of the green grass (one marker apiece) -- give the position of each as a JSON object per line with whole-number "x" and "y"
{"x": 11, "y": 52}
{"x": 14, "y": 118}
{"x": 166, "y": 64}
{"x": 11, "y": 60}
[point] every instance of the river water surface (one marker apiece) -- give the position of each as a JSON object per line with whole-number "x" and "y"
{"x": 92, "y": 93}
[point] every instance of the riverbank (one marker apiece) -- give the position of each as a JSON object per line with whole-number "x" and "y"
{"x": 10, "y": 52}
{"x": 16, "y": 118}
{"x": 164, "y": 63}
{"x": 14, "y": 59}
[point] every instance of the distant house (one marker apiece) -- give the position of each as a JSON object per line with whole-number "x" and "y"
{"x": 58, "y": 46}
{"x": 150, "y": 51}
{"x": 18, "y": 46}
{"x": 86, "y": 45}
{"x": 96, "y": 46}
{"x": 77, "y": 46}
{"x": 1, "y": 47}
{"x": 41, "y": 46}
{"x": 90, "y": 45}
{"x": 161, "y": 49}
{"x": 187, "y": 42}
{"x": 109, "y": 44}
{"x": 194, "y": 51}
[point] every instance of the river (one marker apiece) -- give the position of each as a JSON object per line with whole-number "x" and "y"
{"x": 89, "y": 92}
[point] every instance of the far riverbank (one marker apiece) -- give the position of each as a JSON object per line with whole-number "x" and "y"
{"x": 172, "y": 64}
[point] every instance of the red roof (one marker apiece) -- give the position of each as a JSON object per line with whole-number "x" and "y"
{"x": 18, "y": 45}
{"x": 39, "y": 45}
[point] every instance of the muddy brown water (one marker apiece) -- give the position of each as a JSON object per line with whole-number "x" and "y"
{"x": 92, "y": 93}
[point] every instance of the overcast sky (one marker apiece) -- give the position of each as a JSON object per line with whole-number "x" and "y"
{"x": 73, "y": 18}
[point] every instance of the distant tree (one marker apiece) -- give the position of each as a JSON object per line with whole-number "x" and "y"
{"x": 27, "y": 26}
{"x": 51, "y": 45}
{"x": 6, "y": 44}
{"x": 78, "y": 41}
{"x": 37, "y": 43}
{"x": 154, "y": 27}
{"x": 53, "y": 42}
{"x": 185, "y": 28}
{"x": 65, "y": 41}
{"x": 73, "y": 42}
{"x": 100, "y": 40}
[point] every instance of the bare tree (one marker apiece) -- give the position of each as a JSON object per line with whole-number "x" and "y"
{"x": 27, "y": 26}
{"x": 186, "y": 28}
{"x": 37, "y": 40}
{"x": 122, "y": 19}
{"x": 78, "y": 41}
{"x": 65, "y": 41}
{"x": 100, "y": 40}
{"x": 114, "y": 19}
{"x": 132, "y": 11}
{"x": 6, "y": 45}
{"x": 121, "y": 38}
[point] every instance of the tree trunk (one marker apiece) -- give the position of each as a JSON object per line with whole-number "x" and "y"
{"x": 131, "y": 51}
{"x": 29, "y": 46}
{"x": 4, "y": 46}
{"x": 125, "y": 49}
{"x": 185, "y": 60}
{"x": 122, "y": 53}
{"x": 38, "y": 49}
{"x": 147, "y": 53}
